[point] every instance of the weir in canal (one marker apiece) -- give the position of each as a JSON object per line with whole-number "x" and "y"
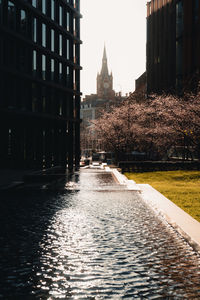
{"x": 94, "y": 240}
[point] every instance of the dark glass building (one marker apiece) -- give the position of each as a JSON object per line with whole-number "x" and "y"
{"x": 173, "y": 45}
{"x": 39, "y": 83}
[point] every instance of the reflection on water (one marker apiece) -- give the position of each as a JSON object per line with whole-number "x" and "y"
{"x": 93, "y": 244}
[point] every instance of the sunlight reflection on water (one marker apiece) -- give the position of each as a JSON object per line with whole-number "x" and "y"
{"x": 98, "y": 245}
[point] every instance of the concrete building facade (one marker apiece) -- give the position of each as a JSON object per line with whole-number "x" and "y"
{"x": 40, "y": 83}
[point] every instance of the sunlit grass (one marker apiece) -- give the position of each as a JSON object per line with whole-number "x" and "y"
{"x": 181, "y": 187}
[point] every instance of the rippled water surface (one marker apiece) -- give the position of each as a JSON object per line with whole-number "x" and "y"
{"x": 93, "y": 241}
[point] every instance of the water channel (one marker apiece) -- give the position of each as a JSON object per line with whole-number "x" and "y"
{"x": 93, "y": 240}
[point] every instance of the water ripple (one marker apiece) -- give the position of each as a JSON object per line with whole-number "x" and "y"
{"x": 89, "y": 245}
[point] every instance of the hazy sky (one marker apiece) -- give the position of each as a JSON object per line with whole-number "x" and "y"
{"x": 121, "y": 24}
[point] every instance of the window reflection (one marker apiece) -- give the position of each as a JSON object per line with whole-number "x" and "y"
{"x": 60, "y": 45}
{"x": 23, "y": 21}
{"x": 67, "y": 77}
{"x": 52, "y": 69}
{"x": 67, "y": 21}
{"x": 34, "y": 3}
{"x": 43, "y": 67}
{"x": 11, "y": 14}
{"x": 43, "y": 35}
{"x": 67, "y": 54}
{"x": 34, "y": 65}
{"x": 60, "y": 15}
{"x": 44, "y": 6}
{"x": 35, "y": 30}
{"x": 52, "y": 40}
{"x": 52, "y": 9}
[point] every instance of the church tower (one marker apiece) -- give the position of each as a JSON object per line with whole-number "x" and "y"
{"x": 105, "y": 80}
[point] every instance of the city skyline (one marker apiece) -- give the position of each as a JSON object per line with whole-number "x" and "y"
{"x": 125, "y": 42}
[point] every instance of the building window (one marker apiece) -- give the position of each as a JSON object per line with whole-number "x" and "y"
{"x": 52, "y": 69}
{"x": 52, "y": 40}
{"x": 43, "y": 35}
{"x": 11, "y": 15}
{"x": 43, "y": 67}
{"x": 60, "y": 71}
{"x": 52, "y": 9}
{"x": 74, "y": 27}
{"x": 44, "y": 10}
{"x": 68, "y": 81}
{"x": 60, "y": 45}
{"x": 34, "y": 30}
{"x": 60, "y": 15}
{"x": 67, "y": 54}
{"x": 34, "y": 65}
{"x": 74, "y": 53}
{"x": 34, "y": 3}
{"x": 67, "y": 21}
{"x": 23, "y": 21}
{"x": 179, "y": 19}
{"x": 60, "y": 107}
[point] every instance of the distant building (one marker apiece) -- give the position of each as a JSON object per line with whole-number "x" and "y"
{"x": 139, "y": 95}
{"x": 93, "y": 106}
{"x": 40, "y": 83}
{"x": 141, "y": 83}
{"x": 173, "y": 45}
{"x": 105, "y": 80}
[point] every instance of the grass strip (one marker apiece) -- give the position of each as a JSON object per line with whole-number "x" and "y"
{"x": 181, "y": 187}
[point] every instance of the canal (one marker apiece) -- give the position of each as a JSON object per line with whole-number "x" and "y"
{"x": 93, "y": 240}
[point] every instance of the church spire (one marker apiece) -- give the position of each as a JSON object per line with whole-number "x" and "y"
{"x": 105, "y": 80}
{"x": 104, "y": 53}
{"x": 104, "y": 69}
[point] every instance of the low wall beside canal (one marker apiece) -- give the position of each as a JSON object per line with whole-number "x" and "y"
{"x": 151, "y": 166}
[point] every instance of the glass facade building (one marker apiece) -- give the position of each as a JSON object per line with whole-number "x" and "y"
{"x": 40, "y": 83}
{"x": 173, "y": 45}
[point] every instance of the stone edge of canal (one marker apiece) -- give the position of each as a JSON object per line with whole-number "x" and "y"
{"x": 182, "y": 222}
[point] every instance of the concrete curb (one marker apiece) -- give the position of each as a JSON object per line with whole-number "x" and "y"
{"x": 123, "y": 180}
{"x": 187, "y": 226}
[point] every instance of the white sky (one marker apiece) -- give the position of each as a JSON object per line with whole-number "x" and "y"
{"x": 121, "y": 24}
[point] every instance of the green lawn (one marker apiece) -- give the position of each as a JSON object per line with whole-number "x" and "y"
{"x": 181, "y": 187}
